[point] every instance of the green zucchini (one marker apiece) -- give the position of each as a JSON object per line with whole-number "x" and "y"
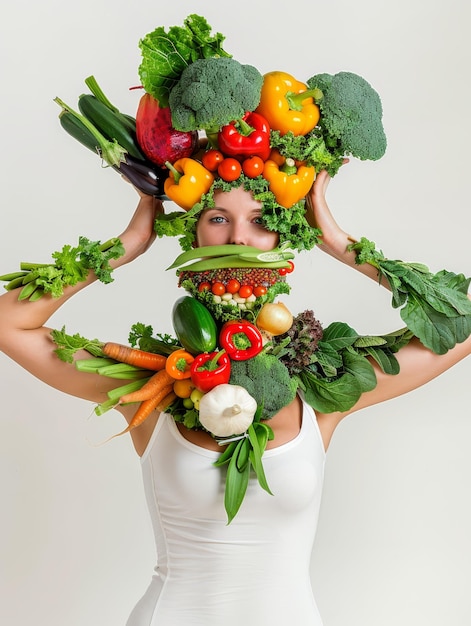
{"x": 110, "y": 124}
{"x": 76, "y": 129}
{"x": 194, "y": 325}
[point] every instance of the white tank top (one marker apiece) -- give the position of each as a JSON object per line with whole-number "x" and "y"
{"x": 254, "y": 571}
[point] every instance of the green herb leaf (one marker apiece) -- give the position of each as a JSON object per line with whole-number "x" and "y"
{"x": 68, "y": 345}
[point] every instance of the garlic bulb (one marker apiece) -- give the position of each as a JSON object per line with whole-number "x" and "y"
{"x": 227, "y": 410}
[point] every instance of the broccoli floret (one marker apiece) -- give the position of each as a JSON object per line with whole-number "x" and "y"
{"x": 351, "y": 115}
{"x": 212, "y": 93}
{"x": 267, "y": 380}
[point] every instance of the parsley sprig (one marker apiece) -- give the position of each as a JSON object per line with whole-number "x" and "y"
{"x": 71, "y": 266}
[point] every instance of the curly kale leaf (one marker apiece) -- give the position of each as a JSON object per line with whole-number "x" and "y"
{"x": 310, "y": 148}
{"x": 180, "y": 224}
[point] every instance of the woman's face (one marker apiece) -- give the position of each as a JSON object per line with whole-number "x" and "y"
{"x": 236, "y": 218}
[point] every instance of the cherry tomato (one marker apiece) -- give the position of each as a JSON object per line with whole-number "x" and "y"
{"x": 211, "y": 159}
{"x": 233, "y": 286}
{"x": 286, "y": 270}
{"x": 245, "y": 291}
{"x": 253, "y": 166}
{"x": 259, "y": 290}
{"x": 204, "y": 286}
{"x": 230, "y": 169}
{"x": 218, "y": 289}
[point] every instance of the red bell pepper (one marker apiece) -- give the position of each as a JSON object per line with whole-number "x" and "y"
{"x": 210, "y": 369}
{"x": 240, "y": 339}
{"x": 249, "y": 136}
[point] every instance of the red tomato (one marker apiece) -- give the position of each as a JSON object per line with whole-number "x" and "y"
{"x": 230, "y": 169}
{"x": 245, "y": 291}
{"x": 259, "y": 290}
{"x": 211, "y": 159}
{"x": 233, "y": 286}
{"x": 218, "y": 289}
{"x": 253, "y": 166}
{"x": 291, "y": 267}
{"x": 204, "y": 286}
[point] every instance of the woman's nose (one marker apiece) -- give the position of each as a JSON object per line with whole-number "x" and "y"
{"x": 238, "y": 235}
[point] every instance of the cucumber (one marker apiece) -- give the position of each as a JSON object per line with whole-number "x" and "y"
{"x": 194, "y": 325}
{"x": 112, "y": 125}
{"x": 76, "y": 129}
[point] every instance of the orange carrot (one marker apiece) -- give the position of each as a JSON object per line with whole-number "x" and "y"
{"x": 149, "y": 389}
{"x": 166, "y": 402}
{"x": 134, "y": 356}
{"x": 145, "y": 409}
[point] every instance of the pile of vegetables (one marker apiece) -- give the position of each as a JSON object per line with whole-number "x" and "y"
{"x": 206, "y": 122}
{"x": 228, "y": 369}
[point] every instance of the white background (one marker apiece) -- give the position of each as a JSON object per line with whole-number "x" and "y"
{"x": 393, "y": 545}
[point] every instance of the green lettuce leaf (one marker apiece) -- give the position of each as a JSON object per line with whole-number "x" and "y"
{"x": 166, "y": 54}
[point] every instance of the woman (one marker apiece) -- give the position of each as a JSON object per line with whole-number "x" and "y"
{"x": 257, "y": 568}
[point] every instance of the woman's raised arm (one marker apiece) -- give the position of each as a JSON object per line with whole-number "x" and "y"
{"x": 25, "y": 338}
{"x": 418, "y": 364}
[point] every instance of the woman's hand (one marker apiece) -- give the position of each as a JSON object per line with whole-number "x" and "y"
{"x": 334, "y": 239}
{"x": 139, "y": 235}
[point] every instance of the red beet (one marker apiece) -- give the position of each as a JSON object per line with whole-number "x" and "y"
{"x": 156, "y": 137}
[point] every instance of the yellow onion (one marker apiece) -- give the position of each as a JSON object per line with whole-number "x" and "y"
{"x": 274, "y": 318}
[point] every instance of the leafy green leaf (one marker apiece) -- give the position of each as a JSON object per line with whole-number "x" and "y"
{"x": 256, "y": 453}
{"x": 330, "y": 396}
{"x": 339, "y": 335}
{"x": 435, "y": 307}
{"x": 236, "y": 484}
{"x": 68, "y": 345}
{"x": 434, "y": 329}
{"x": 166, "y": 54}
{"x": 384, "y": 358}
{"x": 96, "y": 256}
{"x": 359, "y": 367}
{"x": 179, "y": 224}
{"x": 226, "y": 455}
{"x": 369, "y": 340}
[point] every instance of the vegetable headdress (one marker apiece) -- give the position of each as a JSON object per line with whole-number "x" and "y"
{"x": 268, "y": 133}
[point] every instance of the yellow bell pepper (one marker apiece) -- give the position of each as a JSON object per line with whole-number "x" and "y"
{"x": 289, "y": 182}
{"x": 287, "y": 104}
{"x": 187, "y": 181}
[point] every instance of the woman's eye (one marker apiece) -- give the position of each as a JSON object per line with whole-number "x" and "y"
{"x": 218, "y": 219}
